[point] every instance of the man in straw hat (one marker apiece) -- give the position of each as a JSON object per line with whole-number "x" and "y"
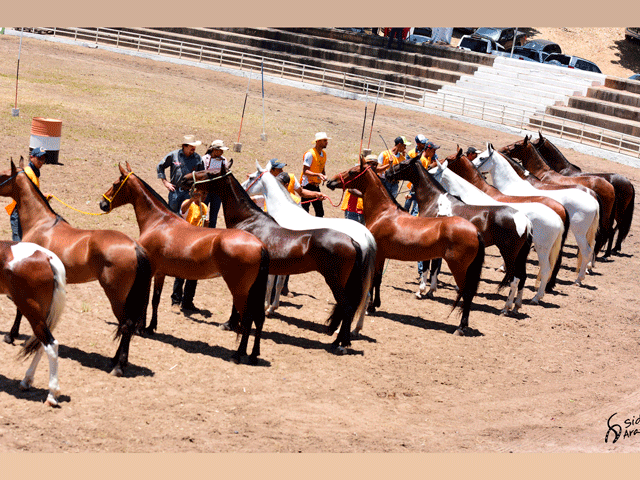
{"x": 181, "y": 162}
{"x": 313, "y": 171}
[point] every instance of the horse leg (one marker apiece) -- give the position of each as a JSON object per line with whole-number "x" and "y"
{"x": 436, "y": 266}
{"x": 270, "y": 295}
{"x": 513, "y": 286}
{"x": 13, "y": 334}
{"x": 375, "y": 297}
{"x": 54, "y": 386}
{"x": 158, "y": 284}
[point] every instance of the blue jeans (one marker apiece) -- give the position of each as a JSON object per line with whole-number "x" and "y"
{"x": 175, "y": 202}
{"x": 16, "y": 229}
{"x": 358, "y": 217}
{"x": 392, "y": 188}
{"x": 214, "y": 202}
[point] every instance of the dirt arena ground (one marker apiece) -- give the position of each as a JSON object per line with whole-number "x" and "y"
{"x": 546, "y": 380}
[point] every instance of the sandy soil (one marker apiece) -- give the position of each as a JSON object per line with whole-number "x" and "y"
{"x": 546, "y": 380}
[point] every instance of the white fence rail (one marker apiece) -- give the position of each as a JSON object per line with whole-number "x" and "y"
{"x": 450, "y": 103}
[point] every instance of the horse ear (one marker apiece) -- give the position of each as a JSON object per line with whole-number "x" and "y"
{"x": 21, "y": 164}
{"x": 123, "y": 172}
{"x": 444, "y": 164}
{"x": 459, "y": 154}
{"x": 490, "y": 147}
{"x": 361, "y": 161}
{"x": 129, "y": 167}
{"x": 526, "y": 140}
{"x": 13, "y": 168}
{"x": 258, "y": 166}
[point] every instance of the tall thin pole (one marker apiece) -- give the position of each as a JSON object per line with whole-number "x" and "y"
{"x": 18, "y": 69}
{"x": 364, "y": 123}
{"x": 262, "y": 75}
{"x": 373, "y": 118}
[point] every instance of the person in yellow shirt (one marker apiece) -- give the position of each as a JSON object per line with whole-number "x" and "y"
{"x": 392, "y": 157}
{"x": 194, "y": 211}
{"x": 313, "y": 171}
{"x": 352, "y": 203}
{"x": 36, "y": 161}
{"x": 291, "y": 183}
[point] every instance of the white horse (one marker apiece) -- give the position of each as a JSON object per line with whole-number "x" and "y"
{"x": 546, "y": 225}
{"x": 288, "y": 214}
{"x": 582, "y": 208}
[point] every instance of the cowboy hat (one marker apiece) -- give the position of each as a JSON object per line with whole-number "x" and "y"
{"x": 321, "y": 136}
{"x": 190, "y": 140}
{"x": 219, "y": 144}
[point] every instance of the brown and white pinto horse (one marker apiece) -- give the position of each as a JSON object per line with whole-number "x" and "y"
{"x": 335, "y": 255}
{"x": 500, "y": 225}
{"x": 543, "y": 221}
{"x": 35, "y": 280}
{"x": 117, "y": 262}
{"x": 526, "y": 152}
{"x": 179, "y": 249}
{"x": 625, "y": 191}
{"x": 401, "y": 236}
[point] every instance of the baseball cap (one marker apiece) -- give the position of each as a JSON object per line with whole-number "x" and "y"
{"x": 432, "y": 145}
{"x": 400, "y": 140}
{"x": 421, "y": 139}
{"x": 472, "y": 150}
{"x": 275, "y": 163}
{"x": 38, "y": 152}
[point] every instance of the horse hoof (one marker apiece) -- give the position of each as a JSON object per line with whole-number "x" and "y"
{"x": 338, "y": 350}
{"x": 459, "y": 332}
{"x": 418, "y": 295}
{"x": 225, "y": 326}
{"x": 429, "y": 294}
{"x": 24, "y": 386}
{"x": 8, "y": 339}
{"x": 117, "y": 372}
{"x": 51, "y": 401}
{"x": 235, "y": 359}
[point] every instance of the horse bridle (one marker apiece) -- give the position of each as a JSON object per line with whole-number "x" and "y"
{"x": 110, "y": 200}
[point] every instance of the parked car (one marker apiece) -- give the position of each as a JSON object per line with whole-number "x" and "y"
{"x": 632, "y": 34}
{"x": 523, "y": 53}
{"x": 635, "y": 77}
{"x": 480, "y": 44}
{"x": 418, "y": 39}
{"x": 503, "y": 36}
{"x": 541, "y": 45}
{"x": 571, "y": 62}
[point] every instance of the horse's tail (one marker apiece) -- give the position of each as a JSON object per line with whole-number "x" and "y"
{"x": 601, "y": 235}
{"x": 624, "y": 225}
{"x": 353, "y": 292}
{"x": 557, "y": 261}
{"x": 58, "y": 302}
{"x": 521, "y": 259}
{"x": 519, "y": 264}
{"x": 594, "y": 228}
{"x": 135, "y": 306}
{"x": 254, "y": 308}
{"x": 472, "y": 280}
{"x": 369, "y": 266}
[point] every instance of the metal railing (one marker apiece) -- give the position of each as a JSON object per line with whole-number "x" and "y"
{"x": 487, "y": 111}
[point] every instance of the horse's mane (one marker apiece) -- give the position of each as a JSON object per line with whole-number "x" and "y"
{"x": 246, "y": 196}
{"x": 156, "y": 195}
{"x": 46, "y": 202}
{"x": 557, "y": 151}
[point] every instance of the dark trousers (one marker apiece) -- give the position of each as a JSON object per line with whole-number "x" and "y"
{"x": 177, "y": 297}
{"x": 395, "y": 33}
{"x": 318, "y": 207}
{"x": 213, "y": 201}
{"x": 16, "y": 229}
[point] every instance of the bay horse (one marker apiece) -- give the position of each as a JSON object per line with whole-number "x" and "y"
{"x": 502, "y": 226}
{"x": 624, "y": 190}
{"x": 117, "y": 262}
{"x": 35, "y": 280}
{"x": 289, "y": 215}
{"x": 179, "y": 249}
{"x": 539, "y": 209}
{"x": 582, "y": 208}
{"x": 335, "y": 255}
{"x": 401, "y": 236}
{"x": 526, "y": 152}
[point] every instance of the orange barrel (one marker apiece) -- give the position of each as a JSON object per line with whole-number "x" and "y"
{"x": 46, "y": 133}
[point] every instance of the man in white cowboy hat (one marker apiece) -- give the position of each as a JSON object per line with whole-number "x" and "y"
{"x": 213, "y": 160}
{"x": 181, "y": 162}
{"x": 313, "y": 171}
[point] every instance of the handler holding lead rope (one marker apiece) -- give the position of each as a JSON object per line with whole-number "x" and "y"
{"x": 313, "y": 171}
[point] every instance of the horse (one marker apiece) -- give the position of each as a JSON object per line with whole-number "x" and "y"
{"x": 526, "y": 152}
{"x": 401, "y": 236}
{"x": 502, "y": 226}
{"x": 35, "y": 280}
{"x": 582, "y": 208}
{"x": 539, "y": 209}
{"x": 625, "y": 192}
{"x": 289, "y": 215}
{"x": 117, "y": 262}
{"x": 179, "y": 249}
{"x": 335, "y": 255}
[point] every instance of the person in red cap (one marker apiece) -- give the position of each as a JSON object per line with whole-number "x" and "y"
{"x": 36, "y": 161}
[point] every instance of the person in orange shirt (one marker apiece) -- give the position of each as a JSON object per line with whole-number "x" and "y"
{"x": 352, "y": 204}
{"x": 392, "y": 157}
{"x": 313, "y": 171}
{"x": 36, "y": 161}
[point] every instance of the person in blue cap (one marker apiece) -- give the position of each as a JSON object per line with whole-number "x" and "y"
{"x": 36, "y": 161}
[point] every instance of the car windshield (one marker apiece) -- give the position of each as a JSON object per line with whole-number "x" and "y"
{"x": 475, "y": 44}
{"x": 492, "y": 33}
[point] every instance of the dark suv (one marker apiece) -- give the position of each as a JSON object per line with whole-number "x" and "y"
{"x": 571, "y": 62}
{"x": 503, "y": 36}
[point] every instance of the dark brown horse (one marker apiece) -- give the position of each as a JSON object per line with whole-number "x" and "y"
{"x": 331, "y": 253}
{"x": 499, "y": 225}
{"x": 117, "y": 262}
{"x": 401, "y": 236}
{"x": 524, "y": 151}
{"x": 35, "y": 280}
{"x": 179, "y": 249}
{"x": 625, "y": 191}
{"x": 543, "y": 221}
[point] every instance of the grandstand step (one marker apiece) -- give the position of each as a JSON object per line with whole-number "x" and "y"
{"x": 621, "y": 112}
{"x": 631, "y": 86}
{"x": 613, "y": 95}
{"x": 608, "y": 122}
